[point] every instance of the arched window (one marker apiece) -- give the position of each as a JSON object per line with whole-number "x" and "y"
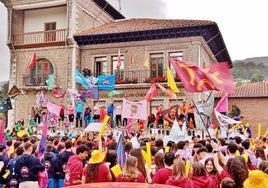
{"x": 39, "y": 74}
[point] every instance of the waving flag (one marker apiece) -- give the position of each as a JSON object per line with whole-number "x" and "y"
{"x": 2, "y": 130}
{"x": 57, "y": 93}
{"x": 32, "y": 62}
{"x": 79, "y": 78}
{"x": 111, "y": 94}
{"x": 171, "y": 82}
{"x": 43, "y": 140}
{"x": 131, "y": 57}
{"x": 207, "y": 107}
{"x": 134, "y": 110}
{"x": 106, "y": 82}
{"x": 222, "y": 105}
{"x": 195, "y": 79}
{"x": 14, "y": 91}
{"x": 41, "y": 99}
{"x": 168, "y": 92}
{"x": 53, "y": 108}
{"x": 90, "y": 93}
{"x": 120, "y": 151}
{"x": 118, "y": 65}
{"x": 146, "y": 59}
{"x": 224, "y": 120}
{"x": 50, "y": 82}
{"x": 151, "y": 93}
{"x": 6, "y": 104}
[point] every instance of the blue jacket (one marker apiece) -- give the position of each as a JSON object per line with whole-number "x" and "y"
{"x": 27, "y": 168}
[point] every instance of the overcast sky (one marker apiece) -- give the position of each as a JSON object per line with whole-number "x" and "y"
{"x": 243, "y": 23}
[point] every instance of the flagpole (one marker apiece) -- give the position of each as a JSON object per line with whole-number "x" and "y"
{"x": 203, "y": 122}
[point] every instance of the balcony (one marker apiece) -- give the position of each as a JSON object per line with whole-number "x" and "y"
{"x": 139, "y": 76}
{"x": 35, "y": 82}
{"x": 39, "y": 39}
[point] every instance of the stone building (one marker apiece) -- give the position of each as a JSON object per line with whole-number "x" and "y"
{"x": 77, "y": 34}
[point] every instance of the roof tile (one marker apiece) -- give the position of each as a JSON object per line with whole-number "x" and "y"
{"x": 142, "y": 24}
{"x": 257, "y": 89}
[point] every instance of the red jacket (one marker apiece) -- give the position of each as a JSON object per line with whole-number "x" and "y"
{"x": 180, "y": 182}
{"x": 203, "y": 182}
{"x": 74, "y": 170}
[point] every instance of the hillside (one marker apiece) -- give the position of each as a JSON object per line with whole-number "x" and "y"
{"x": 256, "y": 60}
{"x": 255, "y": 68}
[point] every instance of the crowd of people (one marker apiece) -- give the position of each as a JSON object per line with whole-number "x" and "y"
{"x": 72, "y": 159}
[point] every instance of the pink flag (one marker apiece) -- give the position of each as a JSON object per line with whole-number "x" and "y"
{"x": 151, "y": 93}
{"x": 33, "y": 61}
{"x": 222, "y": 105}
{"x": 2, "y": 130}
{"x": 134, "y": 110}
{"x": 130, "y": 122}
{"x": 53, "y": 108}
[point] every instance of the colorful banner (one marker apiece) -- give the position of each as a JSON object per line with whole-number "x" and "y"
{"x": 79, "y": 78}
{"x": 195, "y": 79}
{"x": 134, "y": 110}
{"x": 106, "y": 82}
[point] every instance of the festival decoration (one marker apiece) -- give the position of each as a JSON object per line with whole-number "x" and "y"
{"x": 195, "y": 79}
{"x": 171, "y": 82}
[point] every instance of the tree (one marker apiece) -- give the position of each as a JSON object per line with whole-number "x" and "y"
{"x": 257, "y": 76}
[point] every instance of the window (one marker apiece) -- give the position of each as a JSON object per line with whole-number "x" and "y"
{"x": 50, "y": 32}
{"x": 101, "y": 66}
{"x": 157, "y": 68}
{"x": 175, "y": 55}
{"x": 39, "y": 74}
{"x": 119, "y": 73}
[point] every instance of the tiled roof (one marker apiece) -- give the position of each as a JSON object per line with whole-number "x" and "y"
{"x": 257, "y": 89}
{"x": 142, "y": 24}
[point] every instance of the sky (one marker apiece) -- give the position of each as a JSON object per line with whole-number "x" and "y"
{"x": 243, "y": 23}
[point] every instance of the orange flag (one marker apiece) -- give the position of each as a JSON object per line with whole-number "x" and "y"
{"x": 131, "y": 57}
{"x": 33, "y": 61}
{"x": 195, "y": 79}
{"x": 146, "y": 58}
{"x": 118, "y": 65}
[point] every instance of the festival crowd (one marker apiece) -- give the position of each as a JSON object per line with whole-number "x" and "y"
{"x": 69, "y": 159}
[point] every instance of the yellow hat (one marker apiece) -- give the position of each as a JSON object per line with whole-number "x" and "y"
{"x": 256, "y": 179}
{"x": 97, "y": 156}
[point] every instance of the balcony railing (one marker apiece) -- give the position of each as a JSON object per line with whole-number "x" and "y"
{"x": 139, "y": 76}
{"x": 35, "y": 80}
{"x": 52, "y": 36}
{"x": 122, "y": 77}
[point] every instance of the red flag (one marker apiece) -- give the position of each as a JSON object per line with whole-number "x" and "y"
{"x": 195, "y": 79}
{"x": 33, "y": 62}
{"x": 118, "y": 65}
{"x": 151, "y": 93}
{"x": 57, "y": 93}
